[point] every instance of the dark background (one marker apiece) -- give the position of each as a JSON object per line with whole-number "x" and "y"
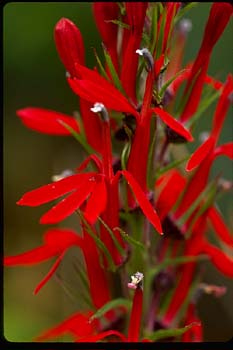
{"x": 34, "y": 76}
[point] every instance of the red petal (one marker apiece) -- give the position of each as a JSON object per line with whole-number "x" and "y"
{"x": 90, "y": 158}
{"x": 46, "y": 121}
{"x": 223, "y": 262}
{"x": 55, "y": 241}
{"x": 97, "y": 202}
{"x": 54, "y": 190}
{"x": 92, "y": 125}
{"x": 68, "y": 205}
{"x": 69, "y": 44}
{"x": 104, "y": 12}
{"x": 173, "y": 123}
{"x": 222, "y": 107}
{"x": 225, "y": 150}
{"x": 220, "y": 226}
{"x": 99, "y": 286}
{"x": 33, "y": 256}
{"x": 168, "y": 196}
{"x": 145, "y": 205}
{"x": 200, "y": 154}
{"x": 49, "y": 274}
{"x": 77, "y": 325}
{"x": 136, "y": 316}
{"x": 97, "y": 337}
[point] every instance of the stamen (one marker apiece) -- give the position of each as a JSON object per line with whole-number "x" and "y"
{"x": 64, "y": 173}
{"x": 100, "y": 108}
{"x": 136, "y": 281}
{"x": 148, "y": 57}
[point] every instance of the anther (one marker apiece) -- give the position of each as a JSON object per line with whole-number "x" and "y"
{"x": 148, "y": 57}
{"x": 136, "y": 281}
{"x": 100, "y": 108}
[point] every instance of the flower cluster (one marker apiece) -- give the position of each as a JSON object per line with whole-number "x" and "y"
{"x": 144, "y": 214}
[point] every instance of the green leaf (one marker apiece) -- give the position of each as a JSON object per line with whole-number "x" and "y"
{"x": 117, "y": 244}
{"x": 205, "y": 103}
{"x": 153, "y": 33}
{"x": 101, "y": 67}
{"x": 98, "y": 242}
{"x": 119, "y": 23}
{"x": 161, "y": 35}
{"x": 209, "y": 191}
{"x": 167, "y": 333}
{"x": 176, "y": 261}
{"x": 170, "y": 166}
{"x": 165, "y": 86}
{"x": 183, "y": 10}
{"x": 79, "y": 138}
{"x": 130, "y": 239}
{"x": 113, "y": 72}
{"x": 113, "y": 304}
{"x": 125, "y": 154}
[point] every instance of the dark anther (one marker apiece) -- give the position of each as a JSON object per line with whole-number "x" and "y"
{"x": 167, "y": 98}
{"x": 116, "y": 165}
{"x": 171, "y": 230}
{"x": 173, "y": 137}
{"x": 129, "y": 123}
{"x": 163, "y": 281}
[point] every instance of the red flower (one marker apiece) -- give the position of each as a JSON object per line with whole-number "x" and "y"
{"x": 104, "y": 13}
{"x": 217, "y": 21}
{"x": 208, "y": 147}
{"x": 70, "y": 47}
{"x": 135, "y": 18}
{"x": 79, "y": 187}
{"x": 56, "y": 243}
{"x": 194, "y": 334}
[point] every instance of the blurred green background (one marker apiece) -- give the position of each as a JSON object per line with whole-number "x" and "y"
{"x": 34, "y": 76}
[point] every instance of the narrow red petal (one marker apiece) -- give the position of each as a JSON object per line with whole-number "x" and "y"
{"x": 135, "y": 317}
{"x": 200, "y": 154}
{"x": 31, "y": 257}
{"x": 92, "y": 125}
{"x": 97, "y": 202}
{"x": 223, "y": 262}
{"x": 180, "y": 292}
{"x": 170, "y": 193}
{"x": 68, "y": 205}
{"x": 173, "y": 123}
{"x": 145, "y": 205}
{"x": 102, "y": 335}
{"x": 225, "y": 150}
{"x": 55, "y": 242}
{"x": 93, "y": 92}
{"x": 220, "y": 227}
{"x": 90, "y": 158}
{"x": 194, "y": 334}
{"x": 222, "y": 107}
{"x": 50, "y": 273}
{"x": 99, "y": 286}
{"x": 77, "y": 325}
{"x": 46, "y": 121}
{"x": 54, "y": 190}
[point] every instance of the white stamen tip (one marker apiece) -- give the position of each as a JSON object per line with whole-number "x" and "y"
{"x": 98, "y": 107}
{"x": 136, "y": 280}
